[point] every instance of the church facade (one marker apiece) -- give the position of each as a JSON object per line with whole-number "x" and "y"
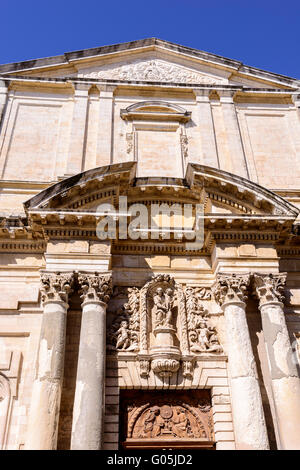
{"x": 150, "y": 252}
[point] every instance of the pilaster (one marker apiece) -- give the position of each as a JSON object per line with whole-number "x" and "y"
{"x": 233, "y": 133}
{"x": 105, "y": 129}
{"x": 206, "y": 128}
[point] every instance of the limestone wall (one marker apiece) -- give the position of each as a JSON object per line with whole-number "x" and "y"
{"x": 48, "y": 133}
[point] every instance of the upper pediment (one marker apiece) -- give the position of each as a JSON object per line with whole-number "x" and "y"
{"x": 149, "y": 60}
{"x": 153, "y": 69}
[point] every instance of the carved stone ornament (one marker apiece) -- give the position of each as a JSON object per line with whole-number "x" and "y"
{"x": 160, "y": 416}
{"x": 165, "y": 325}
{"x": 160, "y": 308}
{"x": 55, "y": 287}
{"x": 184, "y": 145}
{"x": 153, "y": 70}
{"x": 231, "y": 288}
{"x": 130, "y": 141}
{"x": 202, "y": 337}
{"x": 269, "y": 287}
{"x": 123, "y": 334}
{"x": 95, "y": 287}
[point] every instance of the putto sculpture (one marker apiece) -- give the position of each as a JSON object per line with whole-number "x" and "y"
{"x": 165, "y": 325}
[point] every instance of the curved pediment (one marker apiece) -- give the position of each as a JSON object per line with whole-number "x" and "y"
{"x": 223, "y": 194}
{"x": 232, "y": 208}
{"x": 155, "y": 110}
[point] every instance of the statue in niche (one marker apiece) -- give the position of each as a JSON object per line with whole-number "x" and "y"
{"x": 163, "y": 305}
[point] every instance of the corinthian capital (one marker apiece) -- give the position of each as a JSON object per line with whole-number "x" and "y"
{"x": 95, "y": 287}
{"x": 269, "y": 287}
{"x": 231, "y": 288}
{"x": 55, "y": 287}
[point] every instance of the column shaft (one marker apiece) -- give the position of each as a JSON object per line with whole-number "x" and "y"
{"x": 89, "y": 402}
{"x": 282, "y": 363}
{"x": 248, "y": 416}
{"x": 88, "y": 412}
{"x": 46, "y": 394}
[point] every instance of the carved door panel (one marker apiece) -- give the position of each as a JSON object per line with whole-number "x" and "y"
{"x": 166, "y": 419}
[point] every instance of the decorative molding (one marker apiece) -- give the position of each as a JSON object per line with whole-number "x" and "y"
{"x": 55, "y": 287}
{"x": 231, "y": 288}
{"x": 269, "y": 287}
{"x": 95, "y": 287}
{"x": 153, "y": 70}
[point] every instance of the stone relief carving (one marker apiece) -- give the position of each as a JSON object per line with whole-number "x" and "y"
{"x": 161, "y": 417}
{"x": 165, "y": 325}
{"x": 202, "y": 336}
{"x": 124, "y": 332}
{"x": 56, "y": 286}
{"x": 184, "y": 141}
{"x": 153, "y": 70}
{"x": 130, "y": 142}
{"x": 269, "y": 287}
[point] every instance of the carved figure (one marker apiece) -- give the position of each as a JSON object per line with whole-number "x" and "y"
{"x": 163, "y": 304}
{"x": 123, "y": 340}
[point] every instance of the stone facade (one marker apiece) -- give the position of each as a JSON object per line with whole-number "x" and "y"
{"x": 102, "y": 339}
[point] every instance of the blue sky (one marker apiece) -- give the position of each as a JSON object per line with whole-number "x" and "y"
{"x": 264, "y": 34}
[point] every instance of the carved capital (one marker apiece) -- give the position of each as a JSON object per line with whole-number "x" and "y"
{"x": 231, "y": 288}
{"x": 95, "y": 287}
{"x": 55, "y": 287}
{"x": 269, "y": 287}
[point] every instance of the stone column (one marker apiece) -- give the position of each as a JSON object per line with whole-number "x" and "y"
{"x": 248, "y": 416}
{"x": 233, "y": 134}
{"x": 78, "y": 130}
{"x": 282, "y": 364}
{"x": 88, "y": 412}
{"x": 206, "y": 128}
{"x": 47, "y": 386}
{"x": 105, "y": 130}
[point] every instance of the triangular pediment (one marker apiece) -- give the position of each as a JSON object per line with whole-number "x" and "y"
{"x": 154, "y": 68}
{"x": 149, "y": 60}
